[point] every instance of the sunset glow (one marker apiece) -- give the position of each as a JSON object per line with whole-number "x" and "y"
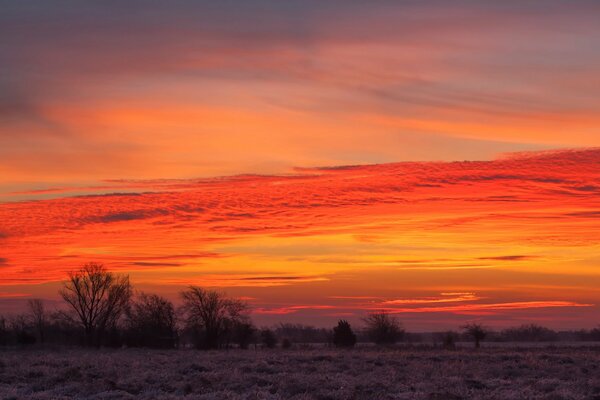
{"x": 318, "y": 160}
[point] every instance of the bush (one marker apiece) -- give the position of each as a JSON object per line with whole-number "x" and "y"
{"x": 286, "y": 343}
{"x": 343, "y": 336}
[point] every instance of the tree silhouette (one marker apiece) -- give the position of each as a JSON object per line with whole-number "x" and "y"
{"x": 151, "y": 322}
{"x": 38, "y": 317}
{"x": 211, "y": 315}
{"x": 343, "y": 336}
{"x": 476, "y": 331}
{"x": 98, "y": 299}
{"x": 382, "y": 328}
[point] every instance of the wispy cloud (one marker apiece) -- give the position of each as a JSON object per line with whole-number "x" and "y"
{"x": 487, "y": 308}
{"x": 247, "y": 280}
{"x": 303, "y": 234}
{"x": 404, "y": 80}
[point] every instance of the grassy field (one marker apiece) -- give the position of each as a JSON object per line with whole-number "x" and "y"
{"x": 407, "y": 373}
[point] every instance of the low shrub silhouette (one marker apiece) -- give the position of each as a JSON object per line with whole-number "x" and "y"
{"x": 343, "y": 336}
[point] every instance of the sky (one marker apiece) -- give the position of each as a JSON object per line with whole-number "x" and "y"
{"x": 438, "y": 160}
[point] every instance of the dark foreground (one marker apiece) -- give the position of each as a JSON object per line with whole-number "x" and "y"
{"x": 491, "y": 373}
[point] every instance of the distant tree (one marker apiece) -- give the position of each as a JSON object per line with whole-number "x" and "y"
{"x": 151, "y": 322}
{"x": 39, "y": 318}
{"x": 243, "y": 334}
{"x": 268, "y": 338}
{"x": 529, "y": 333}
{"x": 449, "y": 340}
{"x": 211, "y": 315}
{"x": 98, "y": 299}
{"x": 64, "y": 328}
{"x": 382, "y": 328}
{"x": 594, "y": 334}
{"x": 22, "y": 330}
{"x": 476, "y": 331}
{"x": 299, "y": 333}
{"x": 343, "y": 336}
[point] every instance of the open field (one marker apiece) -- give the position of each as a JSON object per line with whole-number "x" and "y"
{"x": 413, "y": 373}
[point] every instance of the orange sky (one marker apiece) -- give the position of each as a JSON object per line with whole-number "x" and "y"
{"x": 515, "y": 239}
{"x": 117, "y": 119}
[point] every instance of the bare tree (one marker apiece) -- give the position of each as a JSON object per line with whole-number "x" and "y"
{"x": 211, "y": 315}
{"x": 476, "y": 331}
{"x": 39, "y": 318}
{"x": 22, "y": 329}
{"x": 151, "y": 322}
{"x": 382, "y": 328}
{"x": 98, "y": 298}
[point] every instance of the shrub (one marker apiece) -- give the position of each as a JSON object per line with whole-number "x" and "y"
{"x": 286, "y": 343}
{"x": 343, "y": 336}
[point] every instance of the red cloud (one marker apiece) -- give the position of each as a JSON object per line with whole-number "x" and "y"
{"x": 180, "y": 228}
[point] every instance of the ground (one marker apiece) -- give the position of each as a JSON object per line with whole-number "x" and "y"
{"x": 364, "y": 373}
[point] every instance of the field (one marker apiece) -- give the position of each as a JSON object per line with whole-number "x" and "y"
{"x": 364, "y": 373}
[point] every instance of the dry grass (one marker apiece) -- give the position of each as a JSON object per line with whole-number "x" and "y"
{"x": 491, "y": 373}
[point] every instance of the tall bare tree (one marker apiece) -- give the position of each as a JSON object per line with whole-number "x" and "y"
{"x": 98, "y": 298}
{"x": 211, "y": 315}
{"x": 39, "y": 318}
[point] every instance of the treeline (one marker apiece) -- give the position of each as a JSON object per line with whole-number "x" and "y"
{"x": 102, "y": 310}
